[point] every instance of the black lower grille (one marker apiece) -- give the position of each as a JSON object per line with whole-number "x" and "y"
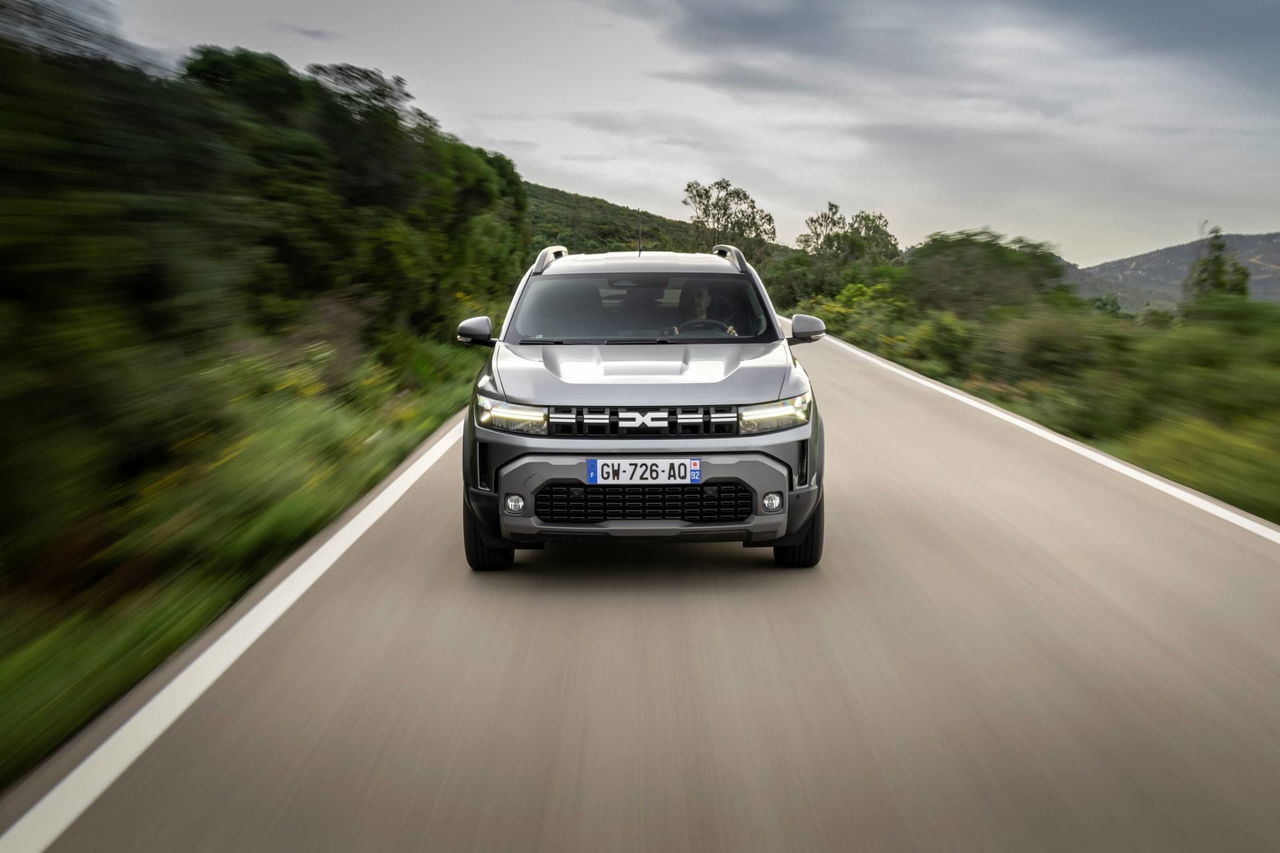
{"x": 575, "y": 503}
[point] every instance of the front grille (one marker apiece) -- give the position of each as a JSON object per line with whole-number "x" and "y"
{"x": 575, "y": 503}
{"x": 642, "y": 420}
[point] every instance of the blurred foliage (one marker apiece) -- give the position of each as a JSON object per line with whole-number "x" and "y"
{"x": 156, "y": 234}
{"x": 1194, "y": 396}
{"x": 225, "y": 312}
{"x": 58, "y": 670}
{"x": 972, "y": 271}
{"x": 1239, "y": 463}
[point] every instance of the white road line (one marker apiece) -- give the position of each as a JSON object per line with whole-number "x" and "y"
{"x": 61, "y": 806}
{"x": 1239, "y": 519}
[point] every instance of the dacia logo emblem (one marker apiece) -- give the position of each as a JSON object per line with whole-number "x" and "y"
{"x": 652, "y": 420}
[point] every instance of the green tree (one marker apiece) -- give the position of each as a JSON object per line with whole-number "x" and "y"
{"x": 723, "y": 212}
{"x": 827, "y": 234}
{"x": 1217, "y": 271}
{"x": 865, "y": 238}
{"x": 879, "y": 246}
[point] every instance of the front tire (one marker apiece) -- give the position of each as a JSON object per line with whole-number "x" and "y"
{"x": 806, "y": 553}
{"x": 481, "y": 557}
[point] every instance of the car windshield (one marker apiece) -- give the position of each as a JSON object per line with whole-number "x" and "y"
{"x": 640, "y": 308}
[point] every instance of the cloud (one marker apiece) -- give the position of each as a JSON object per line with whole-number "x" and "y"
{"x": 1237, "y": 36}
{"x": 738, "y": 77}
{"x": 653, "y": 127}
{"x": 509, "y": 145}
{"x": 1233, "y": 36}
{"x": 306, "y": 32}
{"x": 1031, "y": 54}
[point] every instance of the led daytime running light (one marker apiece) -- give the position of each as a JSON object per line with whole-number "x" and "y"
{"x": 782, "y": 414}
{"x": 512, "y": 417}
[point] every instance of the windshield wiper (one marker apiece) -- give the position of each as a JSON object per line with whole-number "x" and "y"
{"x": 541, "y": 341}
{"x": 728, "y": 339}
{"x": 638, "y": 341}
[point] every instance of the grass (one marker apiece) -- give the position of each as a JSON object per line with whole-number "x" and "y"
{"x": 63, "y": 677}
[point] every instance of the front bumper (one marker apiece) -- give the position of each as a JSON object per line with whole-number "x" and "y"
{"x": 497, "y": 464}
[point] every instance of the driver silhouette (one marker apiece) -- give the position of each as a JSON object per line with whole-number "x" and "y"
{"x": 695, "y": 301}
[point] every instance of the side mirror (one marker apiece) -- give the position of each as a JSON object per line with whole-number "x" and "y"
{"x": 805, "y": 329}
{"x": 476, "y": 330}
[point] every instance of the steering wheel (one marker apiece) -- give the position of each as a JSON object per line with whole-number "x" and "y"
{"x": 706, "y": 324}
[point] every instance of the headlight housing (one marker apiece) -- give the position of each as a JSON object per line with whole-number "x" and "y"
{"x": 768, "y": 417}
{"x": 512, "y": 417}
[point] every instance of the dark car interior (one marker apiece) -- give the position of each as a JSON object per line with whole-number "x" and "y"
{"x": 590, "y": 308}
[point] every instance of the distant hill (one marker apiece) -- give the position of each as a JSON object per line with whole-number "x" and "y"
{"x": 586, "y": 224}
{"x": 1155, "y": 279}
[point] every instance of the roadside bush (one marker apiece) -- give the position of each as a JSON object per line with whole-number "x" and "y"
{"x": 421, "y": 364}
{"x": 1055, "y": 406}
{"x": 294, "y": 456}
{"x": 1112, "y": 402}
{"x": 1239, "y": 463}
{"x": 873, "y": 317}
{"x": 240, "y": 505}
{"x": 1218, "y": 365}
{"x": 1043, "y": 342}
{"x": 943, "y": 341}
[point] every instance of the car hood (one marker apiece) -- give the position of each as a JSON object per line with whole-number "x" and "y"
{"x": 642, "y": 374}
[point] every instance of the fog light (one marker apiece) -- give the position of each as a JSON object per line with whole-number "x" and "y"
{"x": 772, "y": 502}
{"x": 515, "y": 504}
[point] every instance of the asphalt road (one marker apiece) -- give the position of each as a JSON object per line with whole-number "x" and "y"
{"x": 1007, "y": 646}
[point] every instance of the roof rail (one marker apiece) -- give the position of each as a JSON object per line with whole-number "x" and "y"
{"x": 725, "y": 251}
{"x": 546, "y": 256}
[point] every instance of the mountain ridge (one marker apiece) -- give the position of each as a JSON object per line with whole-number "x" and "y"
{"x": 1154, "y": 279}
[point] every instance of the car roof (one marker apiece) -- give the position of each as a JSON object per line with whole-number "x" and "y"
{"x": 625, "y": 262}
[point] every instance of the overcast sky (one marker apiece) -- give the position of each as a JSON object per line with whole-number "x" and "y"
{"x": 1105, "y": 127}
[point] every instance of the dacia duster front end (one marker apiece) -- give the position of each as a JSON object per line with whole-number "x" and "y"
{"x": 642, "y": 396}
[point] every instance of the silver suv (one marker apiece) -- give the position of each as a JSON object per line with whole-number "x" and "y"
{"x": 642, "y": 396}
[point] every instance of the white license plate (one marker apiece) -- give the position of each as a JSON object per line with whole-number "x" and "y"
{"x": 657, "y": 471}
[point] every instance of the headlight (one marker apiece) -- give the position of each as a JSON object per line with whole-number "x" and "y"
{"x": 512, "y": 417}
{"x": 768, "y": 417}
